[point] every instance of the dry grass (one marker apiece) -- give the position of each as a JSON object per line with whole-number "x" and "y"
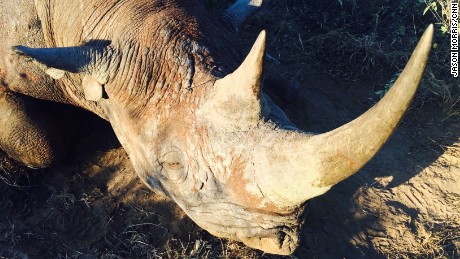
{"x": 12, "y": 173}
{"x": 354, "y": 40}
{"x": 351, "y": 58}
{"x": 434, "y": 240}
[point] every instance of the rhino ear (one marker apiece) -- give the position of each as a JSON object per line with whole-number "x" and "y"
{"x": 69, "y": 59}
{"x": 241, "y": 10}
{"x": 237, "y": 97}
{"x": 95, "y": 61}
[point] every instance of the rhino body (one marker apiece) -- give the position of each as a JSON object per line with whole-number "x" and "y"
{"x": 189, "y": 111}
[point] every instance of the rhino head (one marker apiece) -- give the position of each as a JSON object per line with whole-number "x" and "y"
{"x": 221, "y": 148}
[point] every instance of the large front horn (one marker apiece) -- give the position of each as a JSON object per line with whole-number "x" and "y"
{"x": 307, "y": 166}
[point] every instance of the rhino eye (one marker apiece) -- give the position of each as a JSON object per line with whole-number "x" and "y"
{"x": 173, "y": 166}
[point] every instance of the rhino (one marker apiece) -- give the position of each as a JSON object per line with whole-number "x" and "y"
{"x": 187, "y": 106}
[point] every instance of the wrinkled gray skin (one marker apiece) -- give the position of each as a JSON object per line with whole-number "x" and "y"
{"x": 157, "y": 71}
{"x": 168, "y": 55}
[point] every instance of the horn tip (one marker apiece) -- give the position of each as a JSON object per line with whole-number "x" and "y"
{"x": 427, "y": 38}
{"x": 257, "y": 52}
{"x": 430, "y": 29}
{"x": 262, "y": 37}
{"x": 431, "y": 26}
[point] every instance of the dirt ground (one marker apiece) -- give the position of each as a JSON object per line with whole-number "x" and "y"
{"x": 404, "y": 203}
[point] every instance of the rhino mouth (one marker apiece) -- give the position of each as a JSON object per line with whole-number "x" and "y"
{"x": 270, "y": 232}
{"x": 282, "y": 242}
